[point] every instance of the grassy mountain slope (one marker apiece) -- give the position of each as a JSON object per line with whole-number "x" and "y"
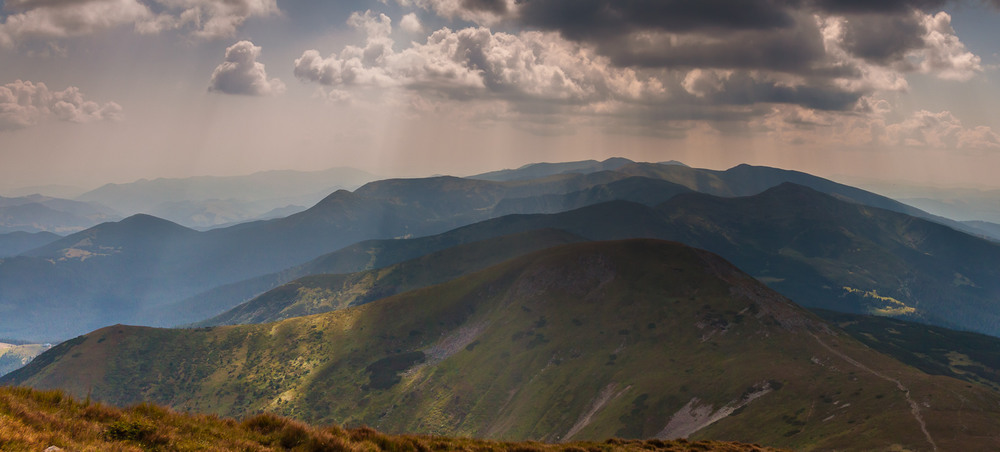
{"x": 938, "y": 351}
{"x": 36, "y": 420}
{"x": 328, "y": 292}
{"x": 634, "y": 339}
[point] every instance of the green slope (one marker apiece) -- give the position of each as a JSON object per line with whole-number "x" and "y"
{"x": 321, "y": 293}
{"x": 634, "y": 339}
{"x": 965, "y": 355}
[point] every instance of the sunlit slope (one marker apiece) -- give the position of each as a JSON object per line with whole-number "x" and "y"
{"x": 327, "y": 292}
{"x": 636, "y": 339}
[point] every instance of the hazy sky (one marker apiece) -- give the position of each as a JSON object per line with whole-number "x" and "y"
{"x": 95, "y": 91}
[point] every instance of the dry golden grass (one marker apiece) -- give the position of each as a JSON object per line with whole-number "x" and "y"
{"x": 32, "y": 420}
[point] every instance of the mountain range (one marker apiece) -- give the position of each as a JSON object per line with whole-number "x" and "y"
{"x": 210, "y": 201}
{"x": 37, "y": 213}
{"x": 137, "y": 269}
{"x": 634, "y": 339}
{"x": 821, "y": 252}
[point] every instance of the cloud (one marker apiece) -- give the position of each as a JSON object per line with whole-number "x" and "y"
{"x": 411, "y": 24}
{"x": 940, "y": 130}
{"x": 943, "y": 54}
{"x": 218, "y": 18}
{"x": 242, "y": 74}
{"x": 65, "y": 19}
{"x": 25, "y": 104}
{"x": 476, "y": 63}
{"x": 869, "y": 126}
{"x": 59, "y": 19}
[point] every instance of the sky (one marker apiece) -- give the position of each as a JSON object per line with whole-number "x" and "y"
{"x": 98, "y": 91}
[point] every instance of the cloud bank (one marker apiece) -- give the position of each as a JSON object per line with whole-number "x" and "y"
{"x": 25, "y": 104}
{"x": 59, "y": 19}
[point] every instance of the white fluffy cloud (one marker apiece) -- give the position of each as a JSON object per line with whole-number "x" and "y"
{"x": 57, "y": 19}
{"x": 475, "y": 62}
{"x": 24, "y": 104}
{"x": 943, "y": 54}
{"x": 242, "y": 74}
{"x": 411, "y": 24}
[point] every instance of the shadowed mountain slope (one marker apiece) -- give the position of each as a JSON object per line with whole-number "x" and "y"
{"x": 14, "y": 243}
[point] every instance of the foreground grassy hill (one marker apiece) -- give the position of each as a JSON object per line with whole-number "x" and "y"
{"x": 632, "y": 339}
{"x": 36, "y": 420}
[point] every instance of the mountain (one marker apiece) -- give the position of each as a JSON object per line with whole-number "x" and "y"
{"x": 642, "y": 190}
{"x": 52, "y": 421}
{"x": 634, "y": 339}
{"x": 962, "y": 204}
{"x": 144, "y": 194}
{"x": 847, "y": 257}
{"x": 328, "y": 292}
{"x": 37, "y": 213}
{"x": 14, "y": 243}
{"x": 540, "y": 170}
{"x": 81, "y": 280}
{"x": 215, "y": 213}
{"x": 210, "y": 201}
{"x": 15, "y": 356}
{"x": 747, "y": 180}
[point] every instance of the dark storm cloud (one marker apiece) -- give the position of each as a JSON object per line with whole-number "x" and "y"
{"x": 493, "y": 6}
{"x": 587, "y": 19}
{"x": 878, "y": 6}
{"x": 797, "y": 48}
{"x": 741, "y": 89}
{"x": 774, "y": 35}
{"x": 883, "y": 38}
